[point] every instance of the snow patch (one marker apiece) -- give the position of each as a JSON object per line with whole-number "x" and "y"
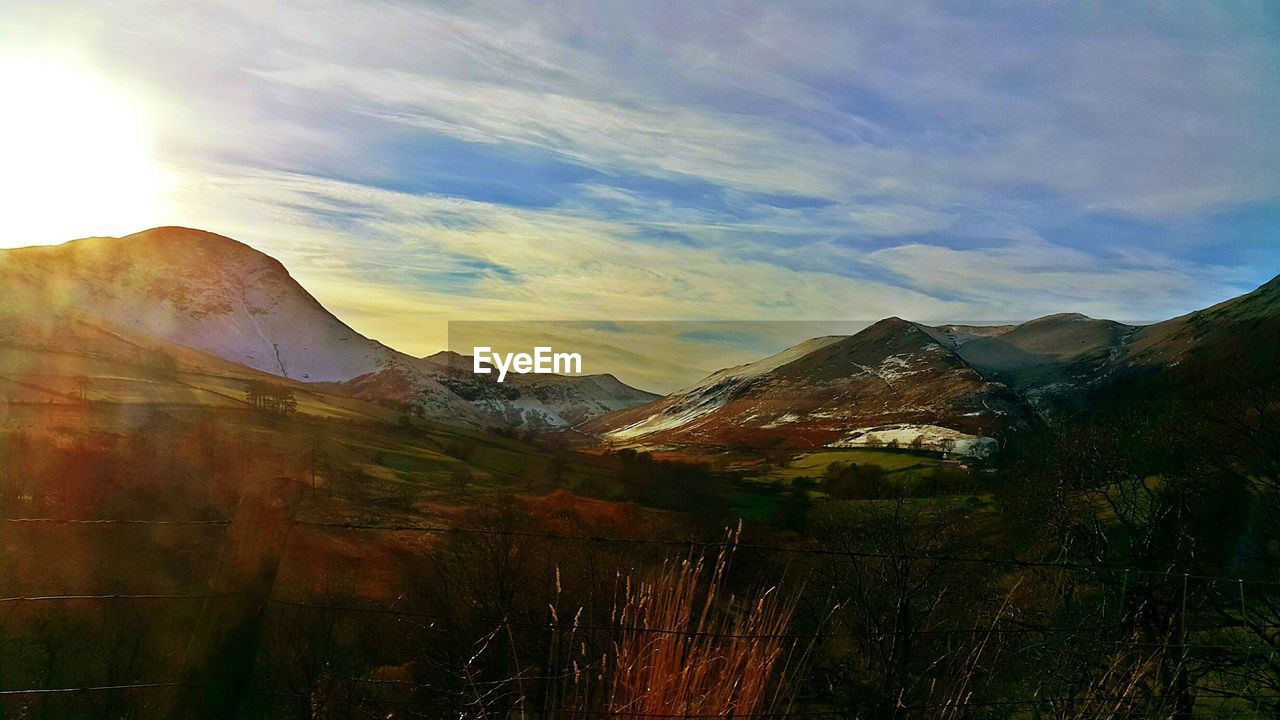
{"x": 931, "y": 437}
{"x": 783, "y": 419}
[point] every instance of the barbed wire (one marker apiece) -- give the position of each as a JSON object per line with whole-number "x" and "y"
{"x": 110, "y": 521}
{"x": 115, "y": 596}
{"x": 444, "y": 704}
{"x": 92, "y": 688}
{"x": 587, "y": 627}
{"x": 668, "y": 542}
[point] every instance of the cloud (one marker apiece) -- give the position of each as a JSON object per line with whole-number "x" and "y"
{"x": 916, "y": 105}
{"x": 413, "y": 162}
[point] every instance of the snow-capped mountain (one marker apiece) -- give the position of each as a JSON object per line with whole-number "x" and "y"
{"x": 196, "y": 289}
{"x": 214, "y": 294}
{"x": 892, "y": 383}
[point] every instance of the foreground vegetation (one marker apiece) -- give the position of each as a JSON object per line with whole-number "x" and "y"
{"x": 341, "y": 561}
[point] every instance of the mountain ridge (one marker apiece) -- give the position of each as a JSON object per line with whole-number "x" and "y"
{"x": 1046, "y": 364}
{"x": 953, "y": 383}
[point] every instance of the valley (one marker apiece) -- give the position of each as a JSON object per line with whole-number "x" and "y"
{"x": 185, "y": 525}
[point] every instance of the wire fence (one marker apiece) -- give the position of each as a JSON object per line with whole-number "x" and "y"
{"x": 834, "y": 634}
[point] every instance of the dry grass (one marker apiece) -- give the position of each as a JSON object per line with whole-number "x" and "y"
{"x": 682, "y": 645}
{"x": 689, "y": 648}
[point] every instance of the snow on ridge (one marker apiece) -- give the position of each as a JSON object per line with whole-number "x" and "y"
{"x": 663, "y": 420}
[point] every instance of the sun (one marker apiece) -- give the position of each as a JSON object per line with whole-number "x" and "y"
{"x": 75, "y": 156}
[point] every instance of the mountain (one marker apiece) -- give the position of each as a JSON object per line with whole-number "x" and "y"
{"x": 195, "y": 289}
{"x": 952, "y": 386}
{"x": 203, "y": 298}
{"x": 210, "y": 293}
{"x": 892, "y": 383}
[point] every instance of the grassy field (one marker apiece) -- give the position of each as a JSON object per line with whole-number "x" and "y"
{"x": 894, "y": 461}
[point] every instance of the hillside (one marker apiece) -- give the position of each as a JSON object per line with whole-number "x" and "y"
{"x": 1252, "y": 320}
{"x": 1042, "y": 359}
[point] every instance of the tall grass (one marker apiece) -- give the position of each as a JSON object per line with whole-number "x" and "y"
{"x": 689, "y": 647}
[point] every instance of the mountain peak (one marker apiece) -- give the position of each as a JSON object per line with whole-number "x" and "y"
{"x": 1066, "y": 317}
{"x": 196, "y": 255}
{"x": 449, "y": 359}
{"x": 189, "y": 246}
{"x": 212, "y": 293}
{"x": 890, "y": 326}
{"x": 893, "y": 321}
{"x": 178, "y": 233}
{"x": 167, "y": 236}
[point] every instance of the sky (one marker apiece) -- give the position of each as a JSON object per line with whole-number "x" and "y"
{"x": 418, "y": 162}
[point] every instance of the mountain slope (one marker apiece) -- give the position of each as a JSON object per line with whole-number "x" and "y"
{"x": 1252, "y": 319}
{"x": 1069, "y": 361}
{"x": 889, "y": 383}
{"x": 216, "y": 295}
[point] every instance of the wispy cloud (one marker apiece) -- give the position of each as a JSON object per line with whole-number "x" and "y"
{"x": 822, "y": 160}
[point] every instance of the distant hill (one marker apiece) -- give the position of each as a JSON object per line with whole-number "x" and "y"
{"x": 445, "y": 386}
{"x": 213, "y": 294}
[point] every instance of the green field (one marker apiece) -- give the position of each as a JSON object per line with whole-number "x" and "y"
{"x": 813, "y": 464}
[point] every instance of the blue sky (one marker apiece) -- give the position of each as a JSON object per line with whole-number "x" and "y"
{"x": 413, "y": 162}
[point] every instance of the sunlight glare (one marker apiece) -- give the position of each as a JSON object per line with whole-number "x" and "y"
{"x": 75, "y": 156}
